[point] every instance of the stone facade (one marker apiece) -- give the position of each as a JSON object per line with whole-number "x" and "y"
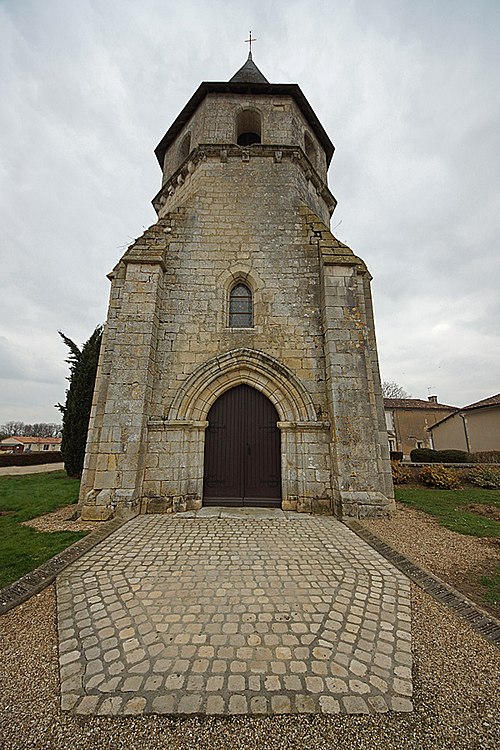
{"x": 257, "y": 215}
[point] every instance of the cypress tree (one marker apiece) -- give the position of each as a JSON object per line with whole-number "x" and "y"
{"x": 76, "y": 412}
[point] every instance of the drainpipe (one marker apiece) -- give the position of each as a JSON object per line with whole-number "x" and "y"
{"x": 464, "y": 420}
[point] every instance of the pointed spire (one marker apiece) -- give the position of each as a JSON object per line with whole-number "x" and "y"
{"x": 248, "y": 73}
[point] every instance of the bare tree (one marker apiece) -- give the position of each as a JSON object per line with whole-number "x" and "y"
{"x": 45, "y": 429}
{"x": 12, "y": 428}
{"x": 390, "y": 389}
{"x": 39, "y": 429}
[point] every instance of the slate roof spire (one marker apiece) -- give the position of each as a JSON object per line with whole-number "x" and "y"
{"x": 248, "y": 73}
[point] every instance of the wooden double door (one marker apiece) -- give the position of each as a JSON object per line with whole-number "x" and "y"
{"x": 242, "y": 451}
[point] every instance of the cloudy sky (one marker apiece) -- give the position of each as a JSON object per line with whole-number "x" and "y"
{"x": 408, "y": 91}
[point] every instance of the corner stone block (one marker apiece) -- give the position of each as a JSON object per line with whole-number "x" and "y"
{"x": 322, "y": 505}
{"x": 193, "y": 502}
{"x": 96, "y": 513}
{"x": 304, "y": 505}
{"x": 289, "y": 504}
{"x": 156, "y": 505}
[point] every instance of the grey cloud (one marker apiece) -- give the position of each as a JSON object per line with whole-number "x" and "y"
{"x": 21, "y": 365}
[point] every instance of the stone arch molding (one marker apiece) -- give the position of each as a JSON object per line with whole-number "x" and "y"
{"x": 243, "y": 366}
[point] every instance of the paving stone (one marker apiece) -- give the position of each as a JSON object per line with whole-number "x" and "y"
{"x": 400, "y": 704}
{"x": 216, "y": 682}
{"x": 93, "y": 667}
{"x": 329, "y": 705}
{"x": 69, "y": 701}
{"x": 354, "y": 705}
{"x": 141, "y": 668}
{"x": 281, "y": 704}
{"x": 110, "y": 706}
{"x": 94, "y": 681}
{"x": 258, "y": 705}
{"x": 153, "y": 683}
{"x": 88, "y": 704}
{"x": 189, "y": 704}
{"x": 314, "y": 684}
{"x": 403, "y": 687}
{"x": 215, "y": 704}
{"x": 295, "y": 624}
{"x": 238, "y": 704}
{"x": 164, "y": 704}
{"x": 196, "y": 683}
{"x": 70, "y": 656}
{"x": 305, "y": 704}
{"x": 72, "y": 684}
{"x": 378, "y": 703}
{"x": 132, "y": 684}
{"x": 335, "y": 685}
{"x": 134, "y": 706}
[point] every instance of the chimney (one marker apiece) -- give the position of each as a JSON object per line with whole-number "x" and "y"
{"x": 433, "y": 399}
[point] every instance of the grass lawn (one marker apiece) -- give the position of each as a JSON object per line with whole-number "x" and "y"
{"x": 24, "y": 497}
{"x": 469, "y": 511}
{"x": 454, "y": 508}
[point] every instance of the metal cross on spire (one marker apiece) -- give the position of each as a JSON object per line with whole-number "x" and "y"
{"x": 249, "y": 41}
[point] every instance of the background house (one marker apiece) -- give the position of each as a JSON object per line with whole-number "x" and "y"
{"x": 474, "y": 428}
{"x": 16, "y": 444}
{"x": 408, "y": 421}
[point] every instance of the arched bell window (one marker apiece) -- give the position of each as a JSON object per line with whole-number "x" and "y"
{"x": 240, "y": 307}
{"x": 248, "y": 128}
{"x": 310, "y": 148}
{"x": 185, "y": 148}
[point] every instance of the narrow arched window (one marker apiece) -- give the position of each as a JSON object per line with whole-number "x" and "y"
{"x": 240, "y": 307}
{"x": 185, "y": 148}
{"x": 248, "y": 128}
{"x": 309, "y": 148}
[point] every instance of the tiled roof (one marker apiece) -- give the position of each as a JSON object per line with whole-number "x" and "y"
{"x": 414, "y": 403}
{"x": 491, "y": 401}
{"x": 248, "y": 73}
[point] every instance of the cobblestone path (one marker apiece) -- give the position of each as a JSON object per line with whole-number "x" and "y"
{"x": 234, "y": 612}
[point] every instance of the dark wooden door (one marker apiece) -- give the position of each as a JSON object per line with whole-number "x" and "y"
{"x": 242, "y": 450}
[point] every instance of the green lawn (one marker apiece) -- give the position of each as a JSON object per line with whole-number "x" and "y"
{"x": 458, "y": 511}
{"x": 24, "y": 497}
{"x": 450, "y": 508}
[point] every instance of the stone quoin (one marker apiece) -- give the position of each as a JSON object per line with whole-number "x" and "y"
{"x": 239, "y": 285}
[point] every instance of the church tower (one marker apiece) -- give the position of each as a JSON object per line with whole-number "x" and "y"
{"x": 239, "y": 362}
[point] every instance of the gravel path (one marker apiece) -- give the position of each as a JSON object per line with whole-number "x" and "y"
{"x": 8, "y": 471}
{"x": 456, "y": 676}
{"x": 61, "y": 520}
{"x": 458, "y": 559}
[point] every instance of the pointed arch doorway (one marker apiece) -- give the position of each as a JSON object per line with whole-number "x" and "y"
{"x": 242, "y": 451}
